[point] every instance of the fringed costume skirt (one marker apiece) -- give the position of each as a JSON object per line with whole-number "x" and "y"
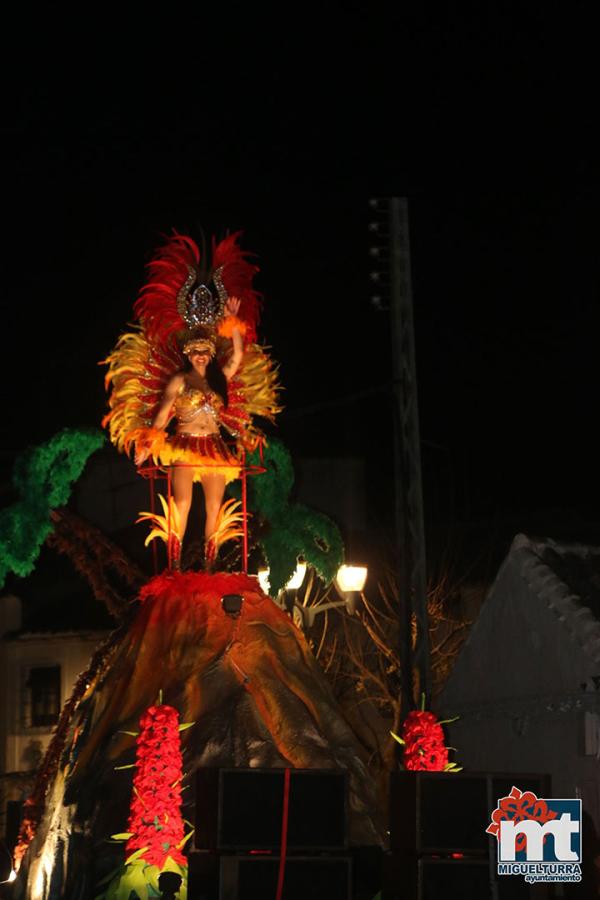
{"x": 207, "y": 454}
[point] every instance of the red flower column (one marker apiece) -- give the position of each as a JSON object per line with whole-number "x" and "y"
{"x": 155, "y": 822}
{"x": 423, "y": 738}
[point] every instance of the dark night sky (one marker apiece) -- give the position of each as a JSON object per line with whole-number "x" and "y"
{"x": 469, "y": 124}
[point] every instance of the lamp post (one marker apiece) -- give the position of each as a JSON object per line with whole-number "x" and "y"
{"x": 349, "y": 581}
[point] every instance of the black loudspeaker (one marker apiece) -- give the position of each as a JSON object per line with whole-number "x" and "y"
{"x": 366, "y": 867}
{"x": 442, "y": 813}
{"x": 255, "y": 878}
{"x": 464, "y": 879}
{"x": 367, "y": 872}
{"x": 241, "y": 809}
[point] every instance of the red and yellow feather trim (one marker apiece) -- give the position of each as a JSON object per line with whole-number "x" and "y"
{"x": 253, "y": 391}
{"x": 150, "y": 439}
{"x": 226, "y": 326}
{"x": 137, "y": 376}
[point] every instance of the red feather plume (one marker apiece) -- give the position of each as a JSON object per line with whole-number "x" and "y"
{"x": 238, "y": 275}
{"x": 156, "y": 306}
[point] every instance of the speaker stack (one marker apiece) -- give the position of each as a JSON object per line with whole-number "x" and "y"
{"x": 238, "y": 835}
{"x": 439, "y": 846}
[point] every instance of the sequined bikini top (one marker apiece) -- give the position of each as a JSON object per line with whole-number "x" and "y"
{"x": 190, "y": 402}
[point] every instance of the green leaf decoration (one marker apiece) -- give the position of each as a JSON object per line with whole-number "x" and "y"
{"x": 135, "y": 856}
{"x": 122, "y": 836}
{"x": 132, "y": 733}
{"x": 448, "y": 721}
{"x": 119, "y": 768}
{"x": 185, "y": 840}
{"x": 137, "y": 882}
{"x": 170, "y": 865}
{"x": 186, "y": 725}
{"x": 152, "y": 873}
{"x": 129, "y": 878}
{"x": 293, "y": 529}
{"x": 43, "y": 477}
{"x": 397, "y": 738}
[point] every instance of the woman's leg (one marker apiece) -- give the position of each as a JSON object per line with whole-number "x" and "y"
{"x": 214, "y": 488}
{"x": 183, "y": 483}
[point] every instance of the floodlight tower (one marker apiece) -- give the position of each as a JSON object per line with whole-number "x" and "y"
{"x": 390, "y": 249}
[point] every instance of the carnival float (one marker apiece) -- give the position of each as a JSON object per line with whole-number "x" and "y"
{"x": 206, "y": 671}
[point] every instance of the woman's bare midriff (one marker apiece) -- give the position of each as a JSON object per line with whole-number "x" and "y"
{"x": 203, "y": 425}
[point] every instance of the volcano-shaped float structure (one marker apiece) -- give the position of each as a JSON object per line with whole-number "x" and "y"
{"x": 249, "y": 683}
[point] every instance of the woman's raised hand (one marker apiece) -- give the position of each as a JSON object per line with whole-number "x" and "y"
{"x": 232, "y": 305}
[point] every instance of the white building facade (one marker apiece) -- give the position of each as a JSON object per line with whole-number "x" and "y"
{"x": 37, "y": 674}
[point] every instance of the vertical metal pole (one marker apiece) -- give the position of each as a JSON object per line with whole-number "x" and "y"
{"x": 410, "y": 530}
{"x": 245, "y": 512}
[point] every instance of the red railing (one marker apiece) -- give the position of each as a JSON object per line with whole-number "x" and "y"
{"x": 154, "y": 473}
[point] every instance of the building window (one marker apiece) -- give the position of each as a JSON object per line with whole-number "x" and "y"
{"x": 44, "y": 695}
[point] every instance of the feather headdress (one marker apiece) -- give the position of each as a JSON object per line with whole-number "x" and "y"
{"x": 177, "y": 295}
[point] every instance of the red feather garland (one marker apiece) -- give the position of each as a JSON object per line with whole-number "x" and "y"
{"x": 171, "y": 586}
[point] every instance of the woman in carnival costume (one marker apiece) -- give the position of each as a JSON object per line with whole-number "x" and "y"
{"x": 193, "y": 357}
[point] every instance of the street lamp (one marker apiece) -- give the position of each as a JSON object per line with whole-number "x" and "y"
{"x": 350, "y": 580}
{"x": 297, "y": 578}
{"x": 291, "y": 585}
